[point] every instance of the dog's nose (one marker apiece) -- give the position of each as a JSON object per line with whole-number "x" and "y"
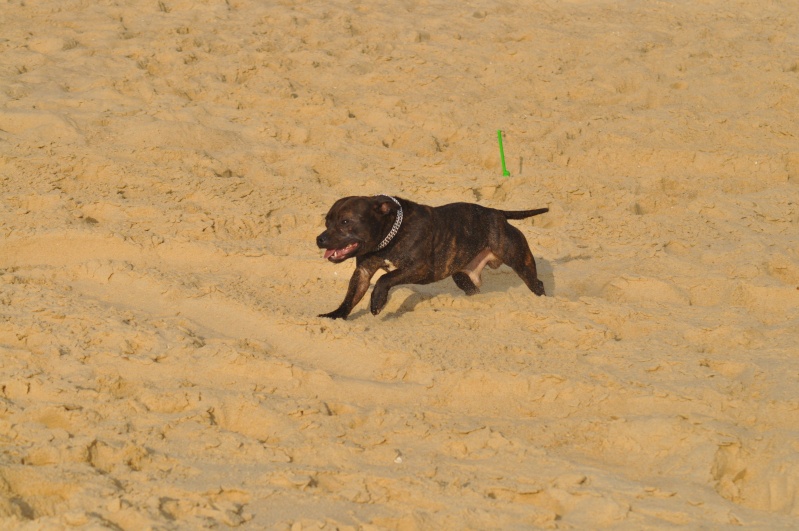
{"x": 321, "y": 240}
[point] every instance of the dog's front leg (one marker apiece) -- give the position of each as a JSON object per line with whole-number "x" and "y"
{"x": 359, "y": 283}
{"x": 394, "y": 278}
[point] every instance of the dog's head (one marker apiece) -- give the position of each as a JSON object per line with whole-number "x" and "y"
{"x": 355, "y": 226}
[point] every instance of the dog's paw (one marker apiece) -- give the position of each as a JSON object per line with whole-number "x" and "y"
{"x": 539, "y": 289}
{"x": 375, "y": 308}
{"x": 464, "y": 282}
{"x": 378, "y": 302}
{"x": 337, "y": 314}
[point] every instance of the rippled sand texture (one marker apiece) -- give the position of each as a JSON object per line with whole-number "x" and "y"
{"x": 166, "y": 166}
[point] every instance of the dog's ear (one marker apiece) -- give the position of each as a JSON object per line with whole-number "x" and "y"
{"x": 384, "y": 205}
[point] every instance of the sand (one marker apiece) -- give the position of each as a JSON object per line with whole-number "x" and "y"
{"x": 166, "y": 166}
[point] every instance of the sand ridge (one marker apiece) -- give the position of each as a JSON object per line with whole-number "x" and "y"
{"x": 166, "y": 166}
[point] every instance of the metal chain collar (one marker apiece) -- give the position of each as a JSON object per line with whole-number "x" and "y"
{"x": 395, "y": 228}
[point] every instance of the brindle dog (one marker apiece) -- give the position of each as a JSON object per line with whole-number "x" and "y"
{"x": 419, "y": 244}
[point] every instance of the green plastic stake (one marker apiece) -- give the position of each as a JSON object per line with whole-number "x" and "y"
{"x": 505, "y": 171}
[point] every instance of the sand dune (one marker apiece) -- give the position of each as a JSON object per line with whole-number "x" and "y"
{"x": 166, "y": 166}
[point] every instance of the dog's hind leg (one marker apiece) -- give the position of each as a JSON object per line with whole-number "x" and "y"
{"x": 514, "y": 251}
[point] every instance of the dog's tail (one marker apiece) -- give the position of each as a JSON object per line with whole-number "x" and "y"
{"x": 522, "y": 214}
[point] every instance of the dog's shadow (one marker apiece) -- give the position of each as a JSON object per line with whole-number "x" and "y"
{"x": 494, "y": 281}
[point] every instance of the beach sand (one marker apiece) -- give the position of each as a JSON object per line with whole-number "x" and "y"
{"x": 166, "y": 166}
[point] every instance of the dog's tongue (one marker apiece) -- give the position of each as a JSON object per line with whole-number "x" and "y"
{"x": 337, "y": 253}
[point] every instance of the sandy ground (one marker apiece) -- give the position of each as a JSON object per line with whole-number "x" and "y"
{"x": 166, "y": 166}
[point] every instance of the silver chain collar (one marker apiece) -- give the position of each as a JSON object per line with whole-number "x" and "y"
{"x": 395, "y": 228}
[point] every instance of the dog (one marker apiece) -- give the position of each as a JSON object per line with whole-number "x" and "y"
{"x": 419, "y": 244}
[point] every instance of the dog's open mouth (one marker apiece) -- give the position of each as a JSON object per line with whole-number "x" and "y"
{"x": 337, "y": 255}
